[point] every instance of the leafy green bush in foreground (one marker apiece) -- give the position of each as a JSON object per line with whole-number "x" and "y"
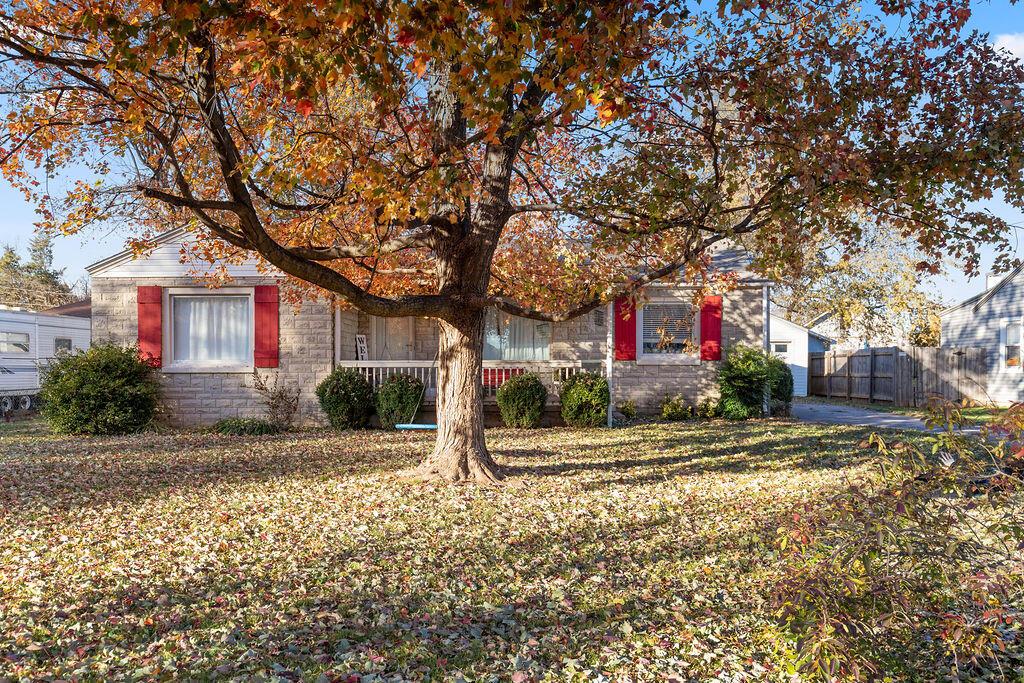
{"x": 104, "y": 390}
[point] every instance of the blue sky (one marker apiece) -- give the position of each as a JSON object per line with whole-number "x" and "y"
{"x": 1003, "y": 20}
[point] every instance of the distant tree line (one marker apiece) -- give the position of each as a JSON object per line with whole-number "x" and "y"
{"x": 33, "y": 282}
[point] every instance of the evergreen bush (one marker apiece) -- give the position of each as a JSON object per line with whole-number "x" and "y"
{"x": 521, "y": 401}
{"x": 346, "y": 399}
{"x": 104, "y": 390}
{"x": 585, "y": 398}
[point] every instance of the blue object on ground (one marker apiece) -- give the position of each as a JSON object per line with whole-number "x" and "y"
{"x": 410, "y": 425}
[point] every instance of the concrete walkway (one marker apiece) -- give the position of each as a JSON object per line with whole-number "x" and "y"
{"x": 828, "y": 413}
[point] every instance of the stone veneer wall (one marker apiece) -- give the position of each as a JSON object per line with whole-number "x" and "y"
{"x": 647, "y": 385}
{"x": 188, "y": 399}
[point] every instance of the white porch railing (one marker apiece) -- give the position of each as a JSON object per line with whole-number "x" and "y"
{"x": 495, "y": 373}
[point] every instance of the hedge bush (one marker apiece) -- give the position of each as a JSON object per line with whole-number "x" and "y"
{"x": 676, "y": 408}
{"x": 780, "y": 380}
{"x": 397, "y": 400}
{"x": 346, "y": 399}
{"x": 521, "y": 401}
{"x": 245, "y": 426}
{"x": 743, "y": 378}
{"x": 104, "y": 390}
{"x": 585, "y": 399}
{"x": 707, "y": 408}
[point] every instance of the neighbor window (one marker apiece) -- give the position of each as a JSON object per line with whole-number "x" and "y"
{"x": 211, "y": 330}
{"x": 515, "y": 339}
{"x": 13, "y": 342}
{"x": 1012, "y": 345}
{"x": 668, "y": 328}
{"x": 61, "y": 344}
{"x": 780, "y": 347}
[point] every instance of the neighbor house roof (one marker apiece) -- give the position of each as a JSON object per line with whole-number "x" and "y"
{"x": 982, "y": 298}
{"x": 813, "y": 333}
{"x": 75, "y": 309}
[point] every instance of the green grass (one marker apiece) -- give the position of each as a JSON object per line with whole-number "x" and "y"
{"x": 638, "y": 553}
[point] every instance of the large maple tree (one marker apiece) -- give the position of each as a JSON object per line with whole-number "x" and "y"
{"x": 436, "y": 158}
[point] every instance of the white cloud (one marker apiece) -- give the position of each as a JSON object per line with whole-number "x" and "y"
{"x": 1011, "y": 42}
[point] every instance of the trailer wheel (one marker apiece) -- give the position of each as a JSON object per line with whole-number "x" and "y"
{"x": 24, "y": 402}
{"x": 6, "y": 404}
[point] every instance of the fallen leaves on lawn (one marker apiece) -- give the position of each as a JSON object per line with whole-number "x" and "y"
{"x": 637, "y": 554}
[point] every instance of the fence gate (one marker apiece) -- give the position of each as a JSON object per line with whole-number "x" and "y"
{"x": 902, "y": 376}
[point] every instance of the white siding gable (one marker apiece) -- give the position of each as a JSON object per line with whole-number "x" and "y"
{"x": 165, "y": 261}
{"x": 795, "y": 336}
{"x": 986, "y": 328}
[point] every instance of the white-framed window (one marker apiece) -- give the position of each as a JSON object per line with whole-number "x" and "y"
{"x": 668, "y": 331}
{"x": 14, "y": 342}
{"x": 510, "y": 338}
{"x": 1009, "y": 346}
{"x": 780, "y": 347}
{"x": 208, "y": 330}
{"x": 62, "y": 344}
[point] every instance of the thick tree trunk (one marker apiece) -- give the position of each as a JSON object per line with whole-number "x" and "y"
{"x": 460, "y": 453}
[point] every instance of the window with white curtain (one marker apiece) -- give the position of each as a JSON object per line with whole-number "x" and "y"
{"x": 515, "y": 339}
{"x": 211, "y": 330}
{"x": 668, "y": 328}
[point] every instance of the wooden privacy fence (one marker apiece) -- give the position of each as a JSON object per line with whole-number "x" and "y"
{"x": 901, "y": 376}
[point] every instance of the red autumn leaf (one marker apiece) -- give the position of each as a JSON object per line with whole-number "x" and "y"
{"x": 405, "y": 37}
{"x": 304, "y": 106}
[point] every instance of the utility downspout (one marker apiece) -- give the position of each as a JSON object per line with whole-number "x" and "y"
{"x": 609, "y": 359}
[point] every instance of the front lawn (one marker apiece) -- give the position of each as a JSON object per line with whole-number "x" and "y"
{"x": 634, "y": 553}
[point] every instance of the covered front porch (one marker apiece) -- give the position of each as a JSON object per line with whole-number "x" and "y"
{"x": 495, "y": 373}
{"x": 380, "y": 347}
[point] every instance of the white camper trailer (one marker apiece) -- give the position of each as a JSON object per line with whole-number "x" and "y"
{"x": 29, "y": 340}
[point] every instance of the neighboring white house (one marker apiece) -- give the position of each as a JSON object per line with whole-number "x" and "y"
{"x": 29, "y": 339}
{"x": 792, "y": 343}
{"x": 993, "y": 320}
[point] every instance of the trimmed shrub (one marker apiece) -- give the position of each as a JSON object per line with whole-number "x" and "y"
{"x": 105, "y": 390}
{"x": 521, "y": 400}
{"x": 731, "y": 408}
{"x": 397, "y": 400}
{"x": 585, "y": 400}
{"x": 707, "y": 409}
{"x": 628, "y": 409}
{"x": 676, "y": 408}
{"x": 346, "y": 399}
{"x": 780, "y": 380}
{"x": 742, "y": 381}
{"x": 245, "y": 426}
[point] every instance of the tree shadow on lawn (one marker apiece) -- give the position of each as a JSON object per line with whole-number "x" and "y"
{"x": 63, "y": 473}
{"x": 315, "y": 617}
{"x": 60, "y": 474}
{"x": 746, "y": 450}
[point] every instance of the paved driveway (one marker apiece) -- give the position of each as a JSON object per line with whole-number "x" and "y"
{"x": 827, "y": 413}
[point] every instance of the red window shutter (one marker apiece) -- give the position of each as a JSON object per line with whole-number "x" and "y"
{"x": 150, "y": 301}
{"x": 711, "y": 328}
{"x": 266, "y": 302}
{"x": 625, "y": 329}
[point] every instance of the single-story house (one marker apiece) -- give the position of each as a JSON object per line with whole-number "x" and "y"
{"x": 208, "y": 341}
{"x": 993, "y": 320}
{"x": 792, "y": 343}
